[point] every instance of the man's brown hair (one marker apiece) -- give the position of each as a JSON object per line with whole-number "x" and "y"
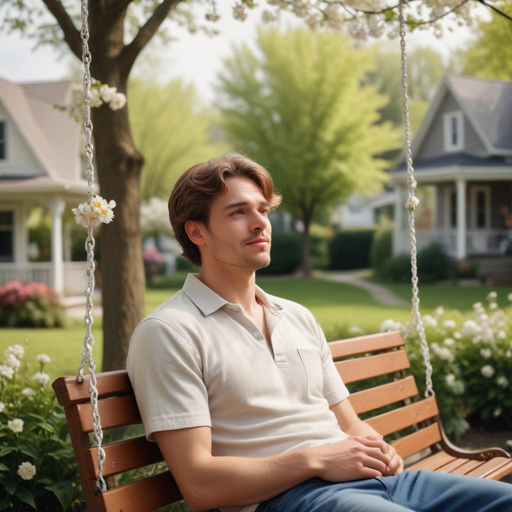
{"x": 196, "y": 188}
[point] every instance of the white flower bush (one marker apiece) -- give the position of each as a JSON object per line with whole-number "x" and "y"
{"x": 38, "y": 466}
{"x": 471, "y": 356}
{"x": 154, "y": 217}
{"x": 97, "y": 212}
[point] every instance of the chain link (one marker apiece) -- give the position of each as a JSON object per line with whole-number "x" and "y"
{"x": 416, "y": 322}
{"x": 89, "y": 247}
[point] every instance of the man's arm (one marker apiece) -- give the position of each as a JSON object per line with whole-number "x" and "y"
{"x": 208, "y": 482}
{"x": 352, "y": 425}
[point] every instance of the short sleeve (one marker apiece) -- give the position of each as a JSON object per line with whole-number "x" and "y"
{"x": 334, "y": 388}
{"x": 166, "y": 374}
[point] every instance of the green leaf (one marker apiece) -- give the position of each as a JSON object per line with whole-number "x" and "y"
{"x": 46, "y": 426}
{"x": 45, "y": 480}
{"x": 10, "y": 483}
{"x": 3, "y": 467}
{"x": 26, "y": 496}
{"x": 62, "y": 454}
{"x": 64, "y": 492}
{"x": 30, "y": 450}
{"x": 6, "y": 450}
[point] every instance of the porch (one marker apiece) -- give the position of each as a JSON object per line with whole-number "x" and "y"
{"x": 73, "y": 275}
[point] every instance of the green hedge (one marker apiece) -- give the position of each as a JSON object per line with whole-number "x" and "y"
{"x": 351, "y": 249}
{"x": 286, "y": 254}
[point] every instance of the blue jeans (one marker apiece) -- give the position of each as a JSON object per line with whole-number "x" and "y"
{"x": 421, "y": 491}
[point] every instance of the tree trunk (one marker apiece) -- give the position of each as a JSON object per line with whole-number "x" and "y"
{"x": 119, "y": 166}
{"x": 306, "y": 251}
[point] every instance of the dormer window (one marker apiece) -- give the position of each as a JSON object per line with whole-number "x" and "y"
{"x": 453, "y": 131}
{"x": 2, "y": 140}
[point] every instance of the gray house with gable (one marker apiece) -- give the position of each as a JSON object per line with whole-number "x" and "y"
{"x": 463, "y": 150}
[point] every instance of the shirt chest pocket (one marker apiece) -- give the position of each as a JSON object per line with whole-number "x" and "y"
{"x": 313, "y": 369}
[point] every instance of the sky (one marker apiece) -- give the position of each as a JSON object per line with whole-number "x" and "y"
{"x": 196, "y": 58}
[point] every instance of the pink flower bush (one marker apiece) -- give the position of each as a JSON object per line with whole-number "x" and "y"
{"x": 29, "y": 305}
{"x": 152, "y": 255}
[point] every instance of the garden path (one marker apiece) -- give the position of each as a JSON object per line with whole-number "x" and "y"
{"x": 356, "y": 278}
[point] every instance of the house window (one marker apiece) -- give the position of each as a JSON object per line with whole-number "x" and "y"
{"x": 2, "y": 140}
{"x": 481, "y": 207}
{"x": 6, "y": 236}
{"x": 454, "y": 131}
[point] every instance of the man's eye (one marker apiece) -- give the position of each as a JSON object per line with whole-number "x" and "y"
{"x": 238, "y": 211}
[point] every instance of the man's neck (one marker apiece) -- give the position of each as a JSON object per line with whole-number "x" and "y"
{"x": 235, "y": 287}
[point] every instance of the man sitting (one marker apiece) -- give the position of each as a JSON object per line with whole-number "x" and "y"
{"x": 238, "y": 387}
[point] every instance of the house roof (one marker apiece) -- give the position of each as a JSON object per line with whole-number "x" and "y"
{"x": 488, "y": 104}
{"x": 52, "y": 135}
{"x": 455, "y": 159}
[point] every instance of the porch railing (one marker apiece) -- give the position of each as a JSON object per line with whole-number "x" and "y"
{"x": 73, "y": 274}
{"x": 482, "y": 242}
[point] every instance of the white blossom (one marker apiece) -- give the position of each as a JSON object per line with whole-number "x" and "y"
{"x": 449, "y": 342}
{"x": 118, "y": 101}
{"x": 43, "y": 358}
{"x": 390, "y": 325}
{"x": 154, "y": 217}
{"x": 97, "y": 212}
{"x": 16, "y": 425}
{"x": 16, "y": 350}
{"x": 429, "y": 321}
{"x": 493, "y": 306}
{"x": 28, "y": 392}
{"x": 497, "y": 412}
{"x": 457, "y": 335}
{"x": 107, "y": 93}
{"x": 41, "y": 377}
{"x": 487, "y": 371}
{"x": 442, "y": 352}
{"x": 26, "y": 470}
{"x": 95, "y": 100}
{"x": 2, "y": 406}
{"x": 508, "y": 353}
{"x": 449, "y": 324}
{"x": 487, "y": 335}
{"x": 470, "y": 329}
{"x": 6, "y": 371}
{"x": 12, "y": 361}
{"x": 412, "y": 203}
{"x": 502, "y": 381}
{"x": 502, "y": 335}
{"x": 450, "y": 379}
{"x": 492, "y": 296}
{"x": 439, "y": 311}
{"x": 356, "y": 330}
{"x": 486, "y": 353}
{"x": 509, "y": 297}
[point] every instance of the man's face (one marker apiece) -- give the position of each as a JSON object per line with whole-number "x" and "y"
{"x": 237, "y": 219}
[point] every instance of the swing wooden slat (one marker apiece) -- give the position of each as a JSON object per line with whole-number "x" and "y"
{"x": 380, "y": 354}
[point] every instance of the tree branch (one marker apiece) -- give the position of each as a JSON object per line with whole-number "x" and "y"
{"x": 71, "y": 33}
{"x": 501, "y": 13}
{"x": 146, "y": 32}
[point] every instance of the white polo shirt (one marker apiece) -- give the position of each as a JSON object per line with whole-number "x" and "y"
{"x": 198, "y": 360}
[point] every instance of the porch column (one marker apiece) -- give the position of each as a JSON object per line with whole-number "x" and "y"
{"x": 67, "y": 242}
{"x": 22, "y": 230}
{"x": 399, "y": 220}
{"x": 461, "y": 218}
{"x": 58, "y": 206}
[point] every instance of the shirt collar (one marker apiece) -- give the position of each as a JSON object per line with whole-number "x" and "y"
{"x": 208, "y": 301}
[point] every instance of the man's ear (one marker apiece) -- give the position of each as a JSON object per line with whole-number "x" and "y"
{"x": 195, "y": 232}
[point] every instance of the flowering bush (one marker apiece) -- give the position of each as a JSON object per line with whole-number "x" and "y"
{"x": 472, "y": 363}
{"x": 37, "y": 465}
{"x": 30, "y": 305}
{"x": 98, "y": 211}
{"x": 154, "y": 262}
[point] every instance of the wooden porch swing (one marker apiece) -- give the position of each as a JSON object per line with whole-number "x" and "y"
{"x": 415, "y": 422}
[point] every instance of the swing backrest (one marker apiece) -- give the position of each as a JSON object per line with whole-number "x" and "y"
{"x": 356, "y": 359}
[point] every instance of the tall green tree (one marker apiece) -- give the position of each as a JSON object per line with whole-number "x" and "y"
{"x": 171, "y": 131}
{"x": 297, "y": 107}
{"x": 489, "y": 55}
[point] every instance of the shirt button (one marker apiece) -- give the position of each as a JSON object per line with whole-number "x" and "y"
{"x": 233, "y": 308}
{"x": 257, "y": 335}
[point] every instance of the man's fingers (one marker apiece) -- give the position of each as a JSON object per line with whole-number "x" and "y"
{"x": 377, "y": 443}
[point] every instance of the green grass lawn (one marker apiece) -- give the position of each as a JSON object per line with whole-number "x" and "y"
{"x": 333, "y": 304}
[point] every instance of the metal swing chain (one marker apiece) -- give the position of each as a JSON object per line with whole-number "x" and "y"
{"x": 416, "y": 320}
{"x": 89, "y": 247}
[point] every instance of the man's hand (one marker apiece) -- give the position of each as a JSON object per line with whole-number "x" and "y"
{"x": 396, "y": 465}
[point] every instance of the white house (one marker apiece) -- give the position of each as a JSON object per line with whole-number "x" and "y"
{"x": 41, "y": 164}
{"x": 463, "y": 150}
